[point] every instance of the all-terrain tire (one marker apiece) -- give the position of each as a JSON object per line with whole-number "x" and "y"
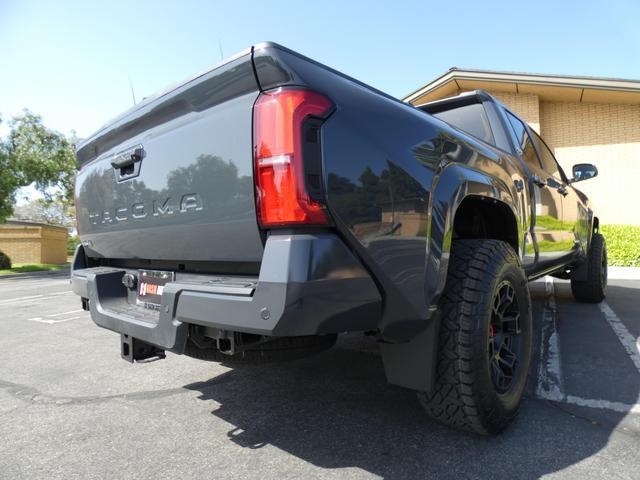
{"x": 277, "y": 350}
{"x": 594, "y": 288}
{"x": 465, "y": 395}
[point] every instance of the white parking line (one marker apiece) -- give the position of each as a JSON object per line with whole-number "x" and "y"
{"x": 51, "y": 321}
{"x": 629, "y": 342}
{"x": 64, "y": 313}
{"x": 18, "y": 299}
{"x": 32, "y": 298}
{"x": 550, "y": 369}
{"x": 604, "y": 404}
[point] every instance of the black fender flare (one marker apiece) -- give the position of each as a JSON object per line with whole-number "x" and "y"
{"x": 413, "y": 364}
{"x": 452, "y": 186}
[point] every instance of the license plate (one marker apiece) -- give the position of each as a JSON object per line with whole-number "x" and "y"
{"x": 151, "y": 285}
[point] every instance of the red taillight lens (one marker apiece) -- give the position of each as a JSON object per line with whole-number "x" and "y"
{"x": 282, "y": 198}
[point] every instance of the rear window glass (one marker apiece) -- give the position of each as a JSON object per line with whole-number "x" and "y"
{"x": 470, "y": 119}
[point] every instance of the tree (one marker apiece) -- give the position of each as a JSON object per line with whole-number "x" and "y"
{"x": 33, "y": 153}
{"x": 42, "y": 210}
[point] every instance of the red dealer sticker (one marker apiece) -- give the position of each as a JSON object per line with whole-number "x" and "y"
{"x": 151, "y": 284}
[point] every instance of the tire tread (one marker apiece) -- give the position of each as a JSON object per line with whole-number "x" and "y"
{"x": 591, "y": 290}
{"x": 454, "y": 400}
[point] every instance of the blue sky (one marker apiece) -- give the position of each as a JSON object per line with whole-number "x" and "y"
{"x": 71, "y": 61}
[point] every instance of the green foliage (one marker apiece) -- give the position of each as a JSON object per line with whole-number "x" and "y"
{"x": 32, "y": 267}
{"x": 623, "y": 244}
{"x": 72, "y": 243}
{"x": 623, "y": 241}
{"x": 54, "y": 211}
{"x": 32, "y": 153}
{"x": 386, "y": 189}
{"x": 5, "y": 261}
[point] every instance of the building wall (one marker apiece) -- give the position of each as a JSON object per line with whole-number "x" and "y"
{"x": 53, "y": 245}
{"x": 22, "y": 244}
{"x": 34, "y": 243}
{"x": 525, "y": 105}
{"x": 608, "y": 136}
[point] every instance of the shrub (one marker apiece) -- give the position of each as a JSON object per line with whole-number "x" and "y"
{"x": 623, "y": 244}
{"x": 72, "y": 243}
{"x": 5, "y": 261}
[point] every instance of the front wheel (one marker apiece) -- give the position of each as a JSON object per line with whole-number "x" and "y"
{"x": 485, "y": 336}
{"x": 593, "y": 288}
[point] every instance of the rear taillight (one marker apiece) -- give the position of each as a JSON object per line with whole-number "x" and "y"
{"x": 282, "y": 197}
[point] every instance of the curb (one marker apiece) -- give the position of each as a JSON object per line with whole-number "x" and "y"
{"x": 65, "y": 272}
{"x": 623, "y": 273}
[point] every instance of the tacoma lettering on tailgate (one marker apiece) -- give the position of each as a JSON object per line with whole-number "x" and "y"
{"x": 188, "y": 203}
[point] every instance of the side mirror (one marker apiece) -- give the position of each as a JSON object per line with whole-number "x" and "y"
{"x": 583, "y": 171}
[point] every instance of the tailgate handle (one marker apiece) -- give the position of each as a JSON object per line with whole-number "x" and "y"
{"x": 129, "y": 157}
{"x": 127, "y": 163}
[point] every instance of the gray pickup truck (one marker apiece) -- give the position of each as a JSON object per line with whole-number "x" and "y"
{"x": 262, "y": 208}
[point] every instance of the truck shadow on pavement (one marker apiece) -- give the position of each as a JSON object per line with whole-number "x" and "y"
{"x": 336, "y": 410}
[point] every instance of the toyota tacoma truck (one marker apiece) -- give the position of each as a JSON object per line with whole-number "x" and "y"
{"x": 265, "y": 206}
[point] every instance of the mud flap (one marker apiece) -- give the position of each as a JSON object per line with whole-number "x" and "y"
{"x": 413, "y": 364}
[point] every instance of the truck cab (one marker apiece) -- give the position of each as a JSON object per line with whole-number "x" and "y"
{"x": 558, "y": 223}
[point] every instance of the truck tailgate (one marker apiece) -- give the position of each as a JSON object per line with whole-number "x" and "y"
{"x": 173, "y": 178}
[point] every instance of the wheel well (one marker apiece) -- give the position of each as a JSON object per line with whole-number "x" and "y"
{"x": 483, "y": 217}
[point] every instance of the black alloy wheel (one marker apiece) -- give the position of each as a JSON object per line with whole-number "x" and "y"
{"x": 504, "y": 337}
{"x": 484, "y": 339}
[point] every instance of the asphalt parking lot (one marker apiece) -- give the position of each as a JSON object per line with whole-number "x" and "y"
{"x": 71, "y": 408}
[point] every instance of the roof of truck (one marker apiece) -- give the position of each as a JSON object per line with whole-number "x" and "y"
{"x": 479, "y": 95}
{"x": 567, "y": 88}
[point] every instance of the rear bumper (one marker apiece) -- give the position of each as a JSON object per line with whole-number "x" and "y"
{"x": 308, "y": 285}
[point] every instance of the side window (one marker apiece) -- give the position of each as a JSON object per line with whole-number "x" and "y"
{"x": 518, "y": 129}
{"x": 549, "y": 162}
{"x": 524, "y": 142}
{"x": 469, "y": 118}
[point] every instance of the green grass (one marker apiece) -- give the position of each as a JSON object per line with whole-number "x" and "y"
{"x": 32, "y": 267}
{"x": 623, "y": 241}
{"x": 547, "y": 222}
{"x": 549, "y": 246}
{"x": 623, "y": 244}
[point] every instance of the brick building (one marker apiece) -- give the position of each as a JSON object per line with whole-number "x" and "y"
{"x": 26, "y": 242}
{"x": 583, "y": 119}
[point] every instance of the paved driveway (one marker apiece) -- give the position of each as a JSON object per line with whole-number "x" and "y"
{"x": 71, "y": 408}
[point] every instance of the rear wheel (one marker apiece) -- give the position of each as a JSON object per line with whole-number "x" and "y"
{"x": 485, "y": 339}
{"x": 593, "y": 289}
